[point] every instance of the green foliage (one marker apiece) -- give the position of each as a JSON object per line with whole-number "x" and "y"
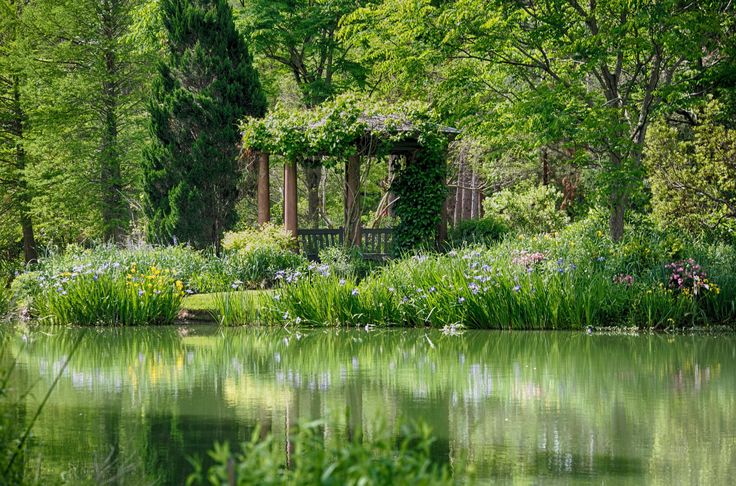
{"x": 299, "y": 36}
{"x": 577, "y": 279}
{"x": 252, "y": 270}
{"x": 201, "y": 92}
{"x": 421, "y": 190}
{"x": 25, "y": 286}
{"x": 266, "y": 236}
{"x": 529, "y": 209}
{"x": 584, "y": 78}
{"x": 109, "y": 296}
{"x": 379, "y": 461}
{"x": 331, "y": 129}
{"x": 347, "y": 262}
{"x": 84, "y": 84}
{"x": 693, "y": 181}
{"x": 478, "y": 231}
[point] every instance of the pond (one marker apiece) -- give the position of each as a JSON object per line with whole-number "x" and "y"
{"x": 554, "y": 407}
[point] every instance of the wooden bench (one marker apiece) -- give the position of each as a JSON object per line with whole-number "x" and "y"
{"x": 374, "y": 243}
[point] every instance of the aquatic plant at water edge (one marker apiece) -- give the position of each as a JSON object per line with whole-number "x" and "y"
{"x": 109, "y": 295}
{"x": 199, "y": 271}
{"x": 566, "y": 281}
{"x": 241, "y": 308}
{"x": 382, "y": 460}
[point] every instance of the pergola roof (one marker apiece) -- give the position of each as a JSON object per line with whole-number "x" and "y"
{"x": 392, "y": 123}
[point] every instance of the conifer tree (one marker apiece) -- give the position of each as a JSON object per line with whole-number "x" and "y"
{"x": 201, "y": 92}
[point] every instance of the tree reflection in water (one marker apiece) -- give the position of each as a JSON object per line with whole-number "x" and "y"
{"x": 560, "y": 406}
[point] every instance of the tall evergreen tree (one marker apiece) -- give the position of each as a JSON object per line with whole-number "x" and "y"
{"x": 207, "y": 85}
{"x": 15, "y": 195}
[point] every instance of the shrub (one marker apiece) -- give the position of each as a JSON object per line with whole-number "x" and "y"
{"x": 258, "y": 268}
{"x": 527, "y": 209}
{"x": 110, "y": 295}
{"x": 693, "y": 176}
{"x": 346, "y": 262}
{"x": 484, "y": 230}
{"x": 267, "y": 236}
{"x": 384, "y": 460}
{"x": 26, "y": 285}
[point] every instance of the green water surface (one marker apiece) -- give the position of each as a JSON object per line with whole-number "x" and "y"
{"x": 521, "y": 407}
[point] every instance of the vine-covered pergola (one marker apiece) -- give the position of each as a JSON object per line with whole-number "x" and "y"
{"x": 345, "y": 131}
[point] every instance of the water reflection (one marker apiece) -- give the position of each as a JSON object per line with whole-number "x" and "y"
{"x": 561, "y": 407}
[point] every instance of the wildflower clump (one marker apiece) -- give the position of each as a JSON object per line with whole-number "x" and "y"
{"x": 623, "y": 279}
{"x": 528, "y": 259}
{"x": 688, "y": 277}
{"x": 110, "y": 294}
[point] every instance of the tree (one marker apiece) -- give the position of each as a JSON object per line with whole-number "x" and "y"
{"x": 301, "y": 36}
{"x": 693, "y": 175}
{"x": 80, "y": 88}
{"x": 584, "y": 77}
{"x": 15, "y": 193}
{"x": 202, "y": 91}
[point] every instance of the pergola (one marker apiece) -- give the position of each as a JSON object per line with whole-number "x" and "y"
{"x": 404, "y": 143}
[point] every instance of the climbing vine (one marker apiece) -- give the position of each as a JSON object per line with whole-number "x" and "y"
{"x": 421, "y": 190}
{"x": 340, "y": 128}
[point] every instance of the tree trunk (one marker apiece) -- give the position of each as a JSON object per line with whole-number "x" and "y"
{"x": 474, "y": 195}
{"x": 393, "y": 161}
{"x": 264, "y": 191}
{"x": 617, "y": 199}
{"x": 467, "y": 194}
{"x": 114, "y": 207}
{"x": 616, "y": 220}
{"x": 30, "y": 253}
{"x": 313, "y": 175}
{"x": 352, "y": 201}
{"x": 458, "y": 209}
{"x": 545, "y": 166}
{"x": 290, "y": 198}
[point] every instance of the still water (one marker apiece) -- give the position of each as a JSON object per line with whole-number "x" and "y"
{"x": 517, "y": 407}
